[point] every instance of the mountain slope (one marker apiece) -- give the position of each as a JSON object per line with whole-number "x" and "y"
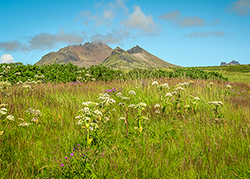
{"x": 134, "y": 58}
{"x": 80, "y": 55}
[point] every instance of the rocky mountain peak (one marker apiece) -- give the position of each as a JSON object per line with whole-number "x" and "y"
{"x": 135, "y": 49}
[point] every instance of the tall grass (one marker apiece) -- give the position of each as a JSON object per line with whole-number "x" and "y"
{"x": 185, "y": 138}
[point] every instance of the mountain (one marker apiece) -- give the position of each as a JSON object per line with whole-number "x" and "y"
{"x": 96, "y": 53}
{"x": 230, "y": 63}
{"x": 80, "y": 55}
{"x": 135, "y": 57}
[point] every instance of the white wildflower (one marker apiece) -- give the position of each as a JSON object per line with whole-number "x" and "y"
{"x": 114, "y": 110}
{"x": 165, "y": 85}
{"x": 211, "y": 83}
{"x": 157, "y": 106}
{"x": 86, "y": 111}
{"x": 26, "y": 86}
{"x": 79, "y": 78}
{"x": 157, "y": 112}
{"x": 106, "y": 95}
{"x": 87, "y": 103}
{"x": 174, "y": 92}
{"x": 98, "y": 113}
{"x": 91, "y": 128}
{"x": 179, "y": 88}
{"x": 169, "y": 95}
{"x": 34, "y": 119}
{"x": 184, "y": 84}
{"x": 24, "y": 124}
{"x": 111, "y": 101}
{"x": 131, "y": 106}
{"x": 79, "y": 122}
{"x": 131, "y": 92}
{"x": 88, "y": 75}
{"x": 228, "y": 86}
{"x": 78, "y": 117}
{"x": 4, "y": 109}
{"x": 217, "y": 103}
{"x": 10, "y": 117}
{"x": 155, "y": 83}
{"x": 121, "y": 118}
{"x": 197, "y": 98}
{"x": 3, "y": 105}
{"x": 119, "y": 94}
{"x": 141, "y": 105}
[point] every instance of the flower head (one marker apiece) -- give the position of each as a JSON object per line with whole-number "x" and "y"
{"x": 131, "y": 106}
{"x": 217, "y": 103}
{"x": 155, "y": 83}
{"x": 169, "y": 94}
{"x": 165, "y": 85}
{"x": 24, "y": 124}
{"x": 131, "y": 92}
{"x": 122, "y": 118}
{"x": 197, "y": 98}
{"x": 157, "y": 106}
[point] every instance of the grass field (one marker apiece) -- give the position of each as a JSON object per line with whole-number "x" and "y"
{"x": 234, "y": 73}
{"x": 144, "y": 128}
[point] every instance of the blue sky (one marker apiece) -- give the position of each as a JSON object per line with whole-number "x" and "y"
{"x": 186, "y": 33}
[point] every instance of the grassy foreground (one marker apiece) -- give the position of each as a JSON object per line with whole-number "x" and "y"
{"x": 196, "y": 129}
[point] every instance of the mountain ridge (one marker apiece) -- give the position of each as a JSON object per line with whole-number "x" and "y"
{"x": 99, "y": 53}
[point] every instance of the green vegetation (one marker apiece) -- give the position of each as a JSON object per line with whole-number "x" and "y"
{"x": 138, "y": 124}
{"x": 19, "y": 73}
{"x": 231, "y": 68}
{"x": 234, "y": 73}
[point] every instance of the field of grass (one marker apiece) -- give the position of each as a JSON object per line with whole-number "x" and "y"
{"x": 142, "y": 128}
{"x": 234, "y": 73}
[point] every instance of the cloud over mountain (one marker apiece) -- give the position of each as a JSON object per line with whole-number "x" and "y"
{"x": 43, "y": 41}
{"x": 177, "y": 18}
{"x": 138, "y": 20}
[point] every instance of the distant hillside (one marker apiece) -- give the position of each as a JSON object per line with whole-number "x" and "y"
{"x": 134, "y": 58}
{"x": 80, "y": 55}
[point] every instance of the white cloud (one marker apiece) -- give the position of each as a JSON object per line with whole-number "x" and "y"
{"x": 204, "y": 34}
{"x": 108, "y": 14}
{"x": 48, "y": 41}
{"x": 183, "y": 22}
{"x": 113, "y": 37}
{"x": 240, "y": 7}
{"x": 138, "y": 20}
{"x": 43, "y": 41}
{"x": 13, "y": 46}
{"x": 6, "y": 58}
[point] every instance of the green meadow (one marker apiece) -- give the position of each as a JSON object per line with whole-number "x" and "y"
{"x": 102, "y": 123}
